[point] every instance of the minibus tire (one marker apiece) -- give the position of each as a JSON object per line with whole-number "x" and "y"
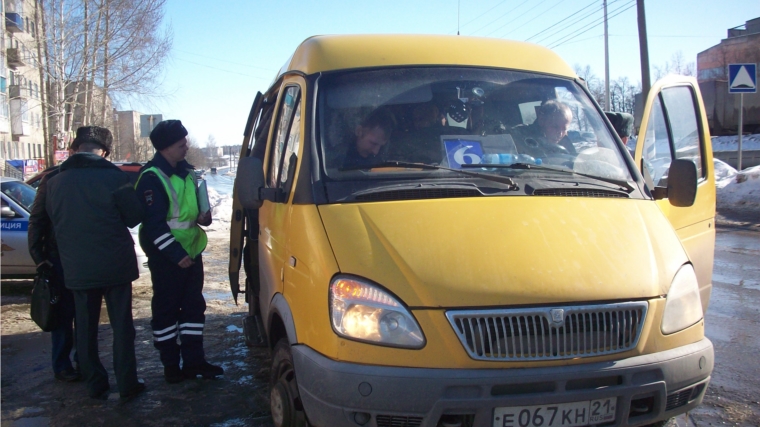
{"x": 284, "y": 400}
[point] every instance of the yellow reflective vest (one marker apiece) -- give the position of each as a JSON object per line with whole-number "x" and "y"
{"x": 183, "y": 210}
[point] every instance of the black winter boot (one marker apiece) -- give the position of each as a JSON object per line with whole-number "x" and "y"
{"x": 205, "y": 369}
{"x": 173, "y": 374}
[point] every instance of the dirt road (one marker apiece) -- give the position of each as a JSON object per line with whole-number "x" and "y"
{"x": 31, "y": 397}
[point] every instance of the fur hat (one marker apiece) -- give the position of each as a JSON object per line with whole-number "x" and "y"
{"x": 167, "y": 133}
{"x": 622, "y": 122}
{"x": 93, "y": 134}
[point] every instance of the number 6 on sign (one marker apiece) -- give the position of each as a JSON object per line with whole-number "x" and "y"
{"x": 462, "y": 152}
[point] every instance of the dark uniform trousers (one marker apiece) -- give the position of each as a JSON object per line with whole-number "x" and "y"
{"x": 62, "y": 336}
{"x": 119, "y": 305}
{"x": 178, "y": 311}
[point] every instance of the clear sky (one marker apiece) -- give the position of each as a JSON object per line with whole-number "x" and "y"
{"x": 225, "y": 51}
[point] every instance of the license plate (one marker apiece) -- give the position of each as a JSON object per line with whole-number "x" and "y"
{"x": 557, "y": 415}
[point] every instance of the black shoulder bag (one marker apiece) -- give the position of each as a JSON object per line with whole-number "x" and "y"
{"x": 45, "y": 297}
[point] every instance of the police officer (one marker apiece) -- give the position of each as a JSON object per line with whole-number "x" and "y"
{"x": 623, "y": 124}
{"x": 173, "y": 242}
{"x": 90, "y": 203}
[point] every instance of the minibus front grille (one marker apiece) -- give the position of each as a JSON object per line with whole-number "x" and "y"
{"x": 567, "y": 192}
{"x": 549, "y": 333}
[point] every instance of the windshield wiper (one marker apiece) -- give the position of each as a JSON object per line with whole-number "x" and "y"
{"x": 401, "y": 164}
{"x": 618, "y": 182}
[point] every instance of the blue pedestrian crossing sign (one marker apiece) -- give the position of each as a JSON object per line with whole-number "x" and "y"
{"x": 742, "y": 78}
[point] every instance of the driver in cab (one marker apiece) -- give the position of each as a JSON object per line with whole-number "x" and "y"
{"x": 549, "y": 130}
{"x": 371, "y": 136}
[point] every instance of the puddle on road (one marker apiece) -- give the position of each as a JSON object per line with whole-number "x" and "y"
{"x": 25, "y": 421}
{"x": 224, "y": 296}
{"x": 28, "y": 422}
{"x": 233, "y": 328}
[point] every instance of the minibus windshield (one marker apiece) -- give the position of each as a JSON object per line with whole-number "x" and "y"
{"x": 462, "y": 119}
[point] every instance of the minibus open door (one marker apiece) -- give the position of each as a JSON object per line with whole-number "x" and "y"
{"x": 244, "y": 227}
{"x": 674, "y": 154}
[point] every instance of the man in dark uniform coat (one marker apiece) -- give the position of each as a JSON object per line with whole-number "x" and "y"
{"x": 91, "y": 204}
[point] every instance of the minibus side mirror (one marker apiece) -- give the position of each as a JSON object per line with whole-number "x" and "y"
{"x": 249, "y": 182}
{"x": 682, "y": 184}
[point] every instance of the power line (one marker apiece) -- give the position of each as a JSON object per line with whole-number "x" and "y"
{"x": 571, "y": 25}
{"x": 226, "y": 71}
{"x": 572, "y": 28}
{"x": 503, "y": 15}
{"x": 565, "y": 40}
{"x": 473, "y": 19}
{"x": 559, "y": 22}
{"x": 224, "y": 60}
{"x": 517, "y": 17}
{"x": 527, "y": 22}
{"x": 593, "y": 24}
{"x": 663, "y": 36}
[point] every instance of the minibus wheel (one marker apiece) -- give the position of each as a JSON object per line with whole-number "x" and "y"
{"x": 284, "y": 400}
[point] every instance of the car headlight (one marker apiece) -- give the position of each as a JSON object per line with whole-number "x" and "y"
{"x": 365, "y": 312}
{"x": 683, "y": 306}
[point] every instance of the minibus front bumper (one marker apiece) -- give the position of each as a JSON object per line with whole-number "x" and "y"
{"x": 646, "y": 389}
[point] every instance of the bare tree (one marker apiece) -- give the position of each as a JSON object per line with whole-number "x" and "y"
{"x": 212, "y": 151}
{"x": 676, "y": 65}
{"x": 98, "y": 50}
{"x": 195, "y": 154}
{"x": 594, "y": 84}
{"x": 622, "y": 94}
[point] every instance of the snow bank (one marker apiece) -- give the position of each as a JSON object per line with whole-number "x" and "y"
{"x": 738, "y": 191}
{"x": 221, "y": 205}
{"x": 221, "y": 212}
{"x": 723, "y": 173}
{"x": 731, "y": 143}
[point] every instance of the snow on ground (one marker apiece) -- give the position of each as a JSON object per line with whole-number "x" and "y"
{"x": 221, "y": 213}
{"x": 723, "y": 171}
{"x": 737, "y": 191}
{"x": 731, "y": 143}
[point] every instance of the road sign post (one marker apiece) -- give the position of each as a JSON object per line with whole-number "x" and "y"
{"x": 742, "y": 78}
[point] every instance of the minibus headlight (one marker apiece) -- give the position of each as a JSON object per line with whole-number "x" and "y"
{"x": 365, "y": 312}
{"x": 683, "y": 306}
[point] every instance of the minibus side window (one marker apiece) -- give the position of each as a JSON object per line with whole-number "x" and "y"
{"x": 656, "y": 157}
{"x": 292, "y": 145}
{"x": 284, "y": 144}
{"x": 673, "y": 133}
{"x": 679, "y": 104}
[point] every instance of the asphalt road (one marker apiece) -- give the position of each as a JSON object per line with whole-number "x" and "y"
{"x": 732, "y": 321}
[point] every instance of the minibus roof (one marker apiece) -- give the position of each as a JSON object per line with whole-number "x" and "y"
{"x": 339, "y": 52}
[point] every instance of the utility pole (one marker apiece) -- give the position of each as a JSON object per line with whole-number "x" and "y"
{"x": 646, "y": 84}
{"x": 607, "y": 106}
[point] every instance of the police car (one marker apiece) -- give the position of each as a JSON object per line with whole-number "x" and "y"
{"x": 17, "y": 199}
{"x": 16, "y": 261}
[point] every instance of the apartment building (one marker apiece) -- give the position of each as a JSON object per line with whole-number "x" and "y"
{"x": 129, "y": 141}
{"x": 741, "y": 46}
{"x": 21, "y": 114}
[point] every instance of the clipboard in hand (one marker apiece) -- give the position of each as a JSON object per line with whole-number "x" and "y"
{"x": 203, "y": 203}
